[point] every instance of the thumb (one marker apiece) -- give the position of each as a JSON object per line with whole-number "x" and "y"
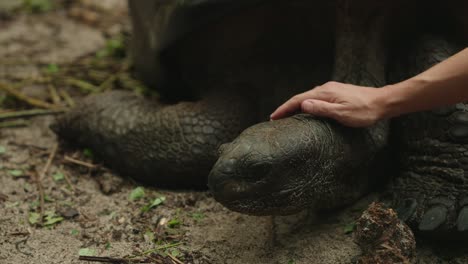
{"x": 319, "y": 108}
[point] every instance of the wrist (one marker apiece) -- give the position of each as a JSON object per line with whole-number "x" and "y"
{"x": 401, "y": 98}
{"x": 390, "y": 101}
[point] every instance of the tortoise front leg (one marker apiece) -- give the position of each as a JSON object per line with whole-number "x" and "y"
{"x": 167, "y": 145}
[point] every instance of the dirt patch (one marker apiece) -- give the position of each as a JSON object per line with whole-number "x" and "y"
{"x": 113, "y": 225}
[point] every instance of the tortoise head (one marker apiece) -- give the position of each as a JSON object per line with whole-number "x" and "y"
{"x": 271, "y": 168}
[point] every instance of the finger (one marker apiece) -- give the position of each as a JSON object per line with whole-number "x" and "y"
{"x": 320, "y": 108}
{"x": 289, "y": 107}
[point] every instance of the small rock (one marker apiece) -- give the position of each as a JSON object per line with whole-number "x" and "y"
{"x": 68, "y": 212}
{"x": 3, "y": 197}
{"x": 121, "y": 220}
{"x": 117, "y": 235}
{"x": 109, "y": 183}
{"x": 383, "y": 238}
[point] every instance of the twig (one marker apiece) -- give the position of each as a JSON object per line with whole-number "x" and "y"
{"x": 114, "y": 77}
{"x": 20, "y": 234}
{"x": 82, "y": 85}
{"x": 22, "y": 241}
{"x": 175, "y": 259}
{"x": 162, "y": 248}
{"x": 28, "y": 113}
{"x": 40, "y": 189}
{"x": 79, "y": 162}
{"x": 67, "y": 97}
{"x": 67, "y": 179}
{"x": 49, "y": 162}
{"x": 2, "y": 111}
{"x": 16, "y": 123}
{"x": 38, "y": 179}
{"x": 112, "y": 260}
{"x": 31, "y": 101}
{"x": 107, "y": 83}
{"x": 54, "y": 94}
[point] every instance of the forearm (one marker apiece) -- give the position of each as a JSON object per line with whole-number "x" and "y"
{"x": 444, "y": 84}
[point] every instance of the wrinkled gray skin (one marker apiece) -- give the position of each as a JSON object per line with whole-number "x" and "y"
{"x": 220, "y": 74}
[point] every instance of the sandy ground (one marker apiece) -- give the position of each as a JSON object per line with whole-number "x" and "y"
{"x": 92, "y": 206}
{"x": 209, "y": 233}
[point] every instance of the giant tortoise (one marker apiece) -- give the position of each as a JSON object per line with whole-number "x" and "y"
{"x": 221, "y": 66}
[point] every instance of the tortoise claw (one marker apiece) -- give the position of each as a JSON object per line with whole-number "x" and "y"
{"x": 407, "y": 210}
{"x": 462, "y": 221}
{"x": 433, "y": 218}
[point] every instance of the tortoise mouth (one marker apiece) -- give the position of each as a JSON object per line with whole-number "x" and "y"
{"x": 252, "y": 198}
{"x": 255, "y": 190}
{"x": 228, "y": 183}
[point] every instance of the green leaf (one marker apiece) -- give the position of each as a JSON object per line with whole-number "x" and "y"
{"x": 74, "y": 232}
{"x": 115, "y": 47}
{"x": 108, "y": 246}
{"x": 198, "y": 216}
{"x": 102, "y": 53}
{"x": 88, "y": 153}
{"x": 149, "y": 236}
{"x": 174, "y": 252}
{"x": 87, "y": 252}
{"x": 38, "y": 6}
{"x": 349, "y": 228}
{"x": 48, "y": 199}
{"x": 33, "y": 205}
{"x": 52, "y": 68}
{"x": 51, "y": 219}
{"x": 156, "y": 202}
{"x": 113, "y": 215}
{"x": 291, "y": 261}
{"x": 34, "y": 218}
{"x": 11, "y": 205}
{"x": 16, "y": 173}
{"x": 27, "y": 187}
{"x": 2, "y": 150}
{"x": 59, "y": 176}
{"x": 114, "y": 44}
{"x": 137, "y": 193}
{"x": 174, "y": 223}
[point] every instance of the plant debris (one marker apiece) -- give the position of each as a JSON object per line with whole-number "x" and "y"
{"x": 383, "y": 238}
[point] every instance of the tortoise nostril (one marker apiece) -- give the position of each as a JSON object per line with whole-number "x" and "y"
{"x": 223, "y": 148}
{"x": 226, "y": 166}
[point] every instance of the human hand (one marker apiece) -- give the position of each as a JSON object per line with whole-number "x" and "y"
{"x": 351, "y": 105}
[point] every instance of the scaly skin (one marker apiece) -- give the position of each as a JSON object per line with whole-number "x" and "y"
{"x": 165, "y": 145}
{"x": 431, "y": 193}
